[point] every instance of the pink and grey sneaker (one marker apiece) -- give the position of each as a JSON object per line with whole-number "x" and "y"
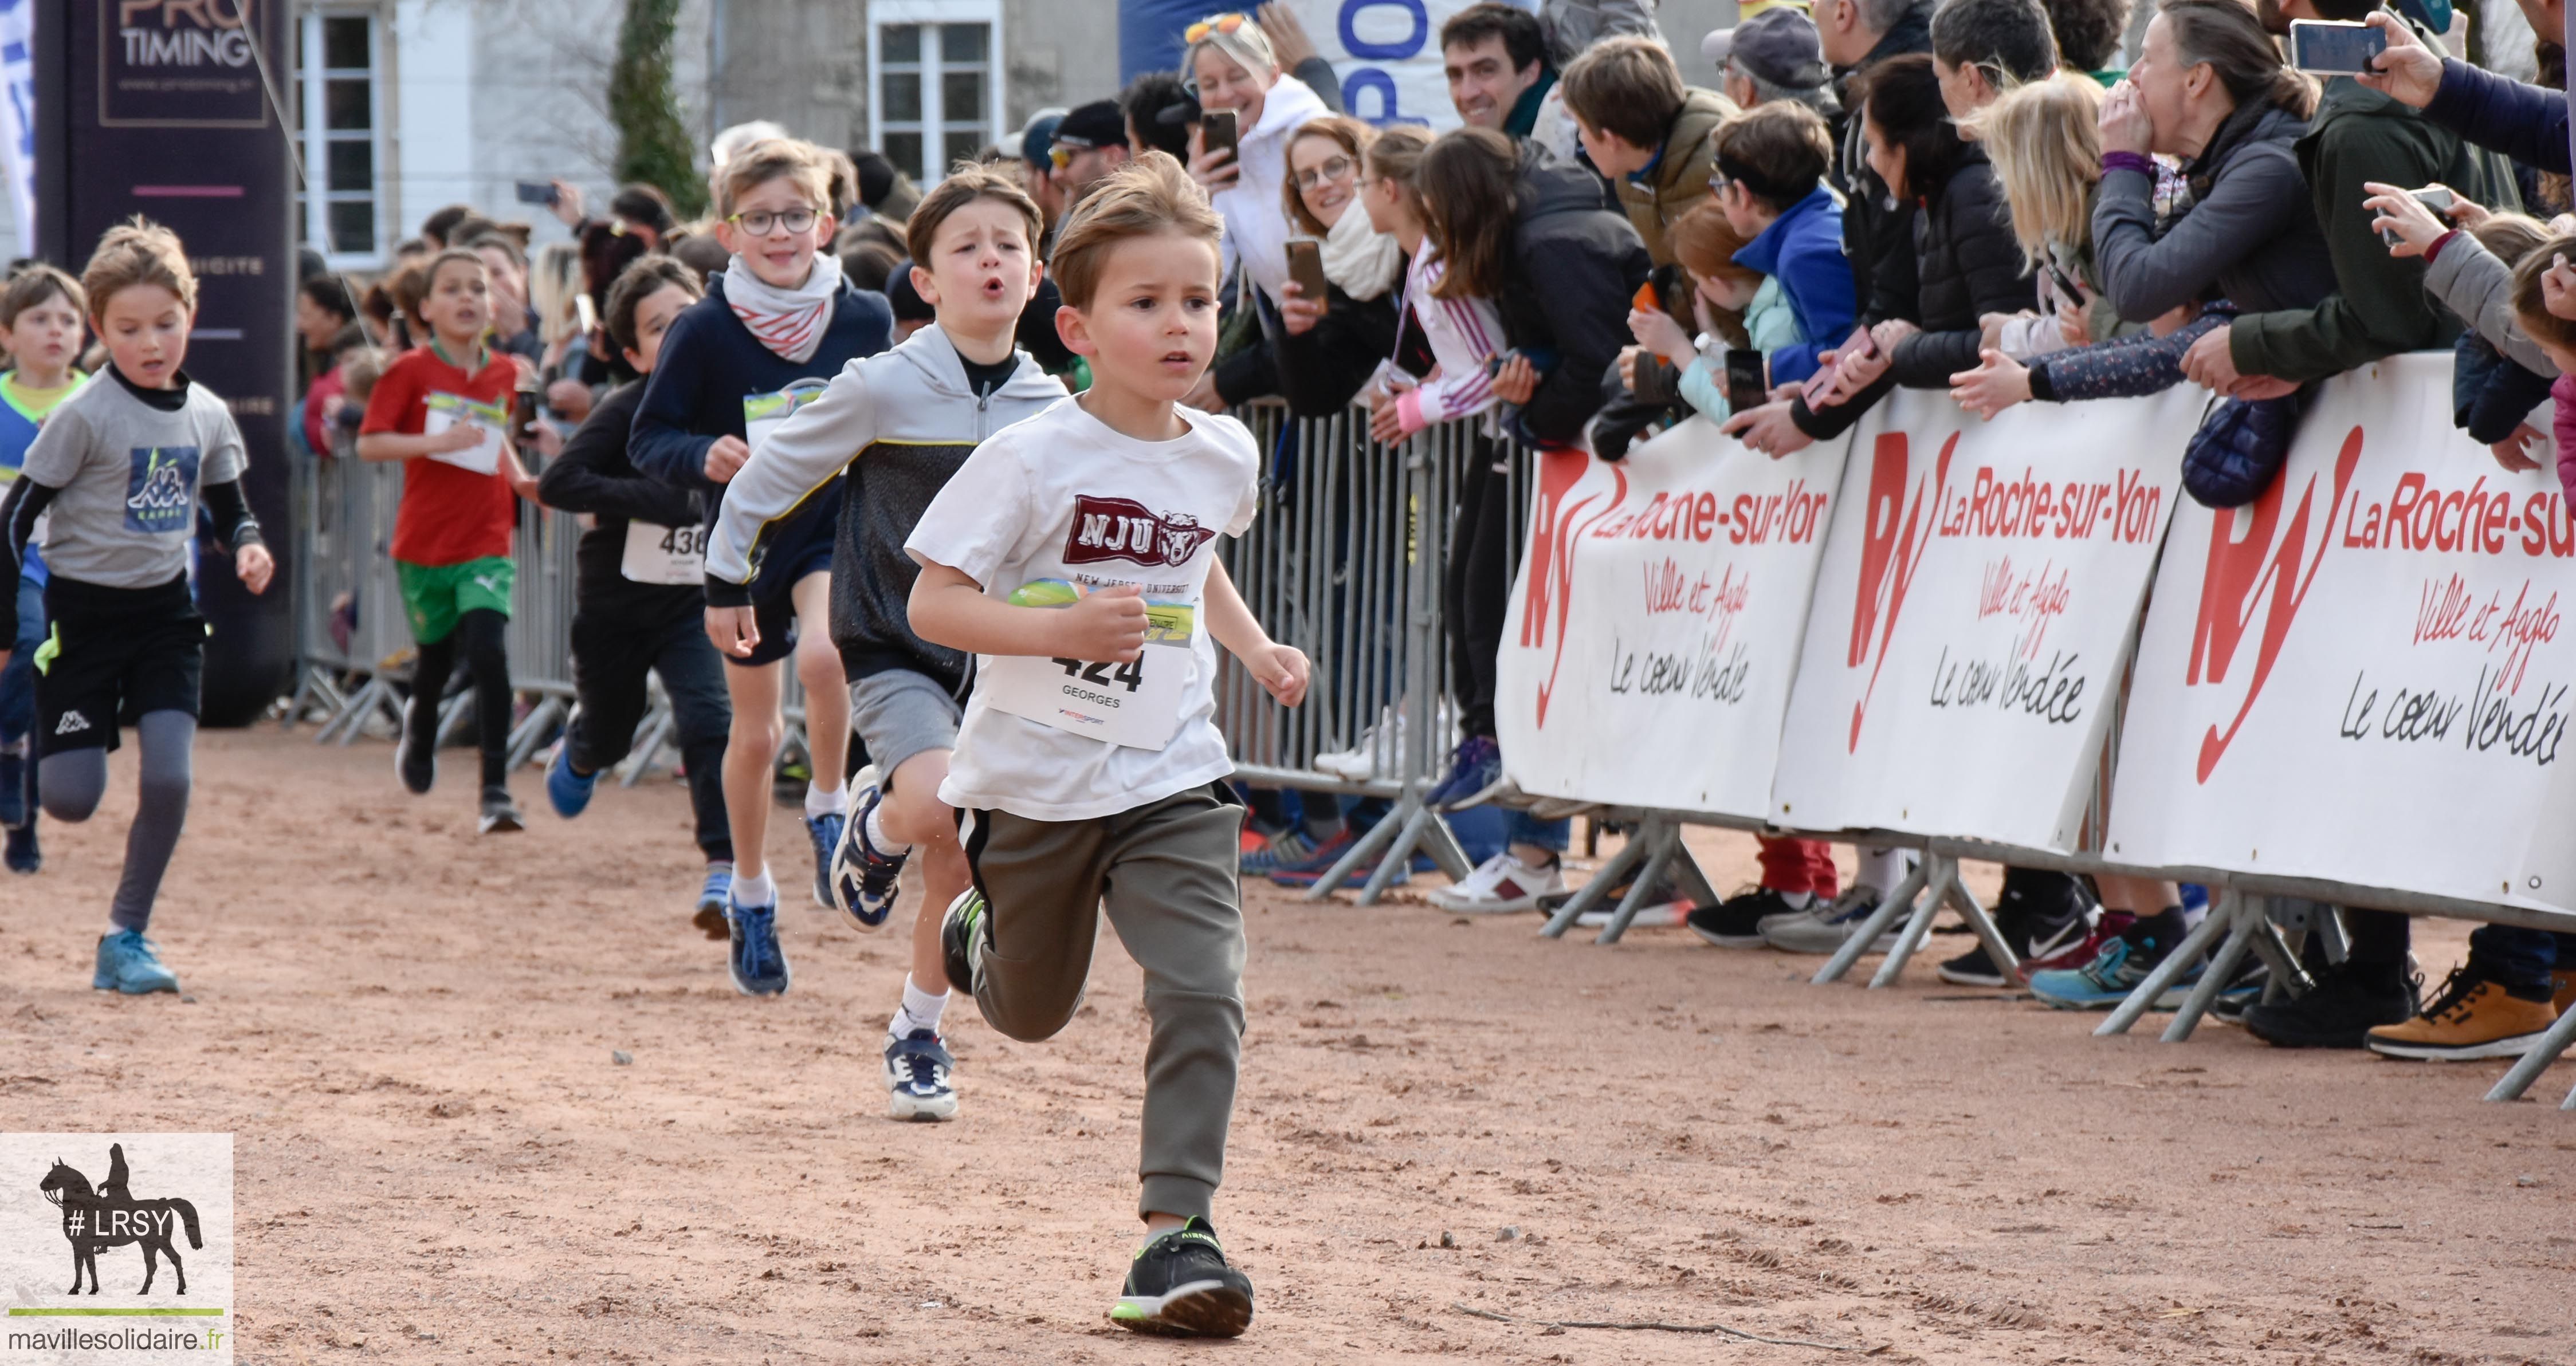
{"x": 1501, "y": 885}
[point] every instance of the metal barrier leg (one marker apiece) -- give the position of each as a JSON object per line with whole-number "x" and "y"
{"x": 1936, "y": 891}
{"x": 531, "y": 731}
{"x": 2162, "y": 976}
{"x": 2338, "y": 940}
{"x": 1688, "y": 876}
{"x": 1898, "y": 901}
{"x": 1361, "y": 851}
{"x": 2249, "y": 914}
{"x": 639, "y": 761}
{"x": 1399, "y": 855}
{"x": 2529, "y": 1066}
{"x": 2001, "y": 953}
{"x": 1664, "y": 838}
{"x": 1595, "y": 888}
{"x": 451, "y": 714}
{"x": 354, "y": 712}
{"x": 2289, "y": 978}
{"x": 1436, "y": 840}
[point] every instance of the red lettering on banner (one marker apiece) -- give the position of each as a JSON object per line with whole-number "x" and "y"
{"x": 1885, "y": 547}
{"x": 2239, "y": 570}
{"x": 1551, "y": 552}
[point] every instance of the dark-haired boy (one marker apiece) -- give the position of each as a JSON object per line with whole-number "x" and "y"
{"x": 1654, "y": 138}
{"x": 636, "y": 599}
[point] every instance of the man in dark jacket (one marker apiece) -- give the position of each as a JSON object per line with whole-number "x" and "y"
{"x": 2379, "y": 306}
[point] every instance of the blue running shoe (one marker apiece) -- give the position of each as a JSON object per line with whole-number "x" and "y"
{"x": 23, "y": 856}
{"x": 758, "y": 964}
{"x": 568, "y": 792}
{"x": 712, "y": 896}
{"x": 825, "y": 831}
{"x": 1474, "y": 768}
{"x": 1286, "y": 849}
{"x": 2109, "y": 978}
{"x": 13, "y": 789}
{"x": 916, "y": 1073}
{"x": 864, "y": 878}
{"x": 1311, "y": 871}
{"x": 130, "y": 963}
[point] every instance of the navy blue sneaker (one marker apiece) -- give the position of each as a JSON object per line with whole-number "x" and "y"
{"x": 1474, "y": 768}
{"x": 23, "y": 856}
{"x": 758, "y": 964}
{"x": 825, "y": 831}
{"x": 566, "y": 791}
{"x": 865, "y": 879}
{"x": 712, "y": 896}
{"x": 916, "y": 1073}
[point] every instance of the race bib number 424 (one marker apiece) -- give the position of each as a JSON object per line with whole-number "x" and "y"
{"x": 1136, "y": 704}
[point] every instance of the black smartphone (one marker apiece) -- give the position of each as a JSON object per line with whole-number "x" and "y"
{"x": 2334, "y": 47}
{"x": 1216, "y": 130}
{"x": 2063, "y": 283}
{"x": 1306, "y": 267}
{"x": 538, "y": 192}
{"x": 1745, "y": 386}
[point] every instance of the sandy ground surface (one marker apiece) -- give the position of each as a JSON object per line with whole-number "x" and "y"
{"x": 411, "y": 1033}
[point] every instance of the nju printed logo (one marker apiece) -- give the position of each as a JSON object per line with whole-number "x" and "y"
{"x": 142, "y": 1222}
{"x": 161, "y": 488}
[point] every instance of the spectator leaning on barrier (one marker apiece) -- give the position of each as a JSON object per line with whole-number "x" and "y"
{"x": 1651, "y": 137}
{"x": 1770, "y": 167}
{"x": 2499, "y": 373}
{"x": 2357, "y": 135}
{"x": 1727, "y": 298}
{"x": 2209, "y": 89}
{"x": 1773, "y": 55}
{"x": 1329, "y": 347}
{"x": 2045, "y": 145}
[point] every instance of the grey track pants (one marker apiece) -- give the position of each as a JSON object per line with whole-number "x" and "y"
{"x": 1166, "y": 874}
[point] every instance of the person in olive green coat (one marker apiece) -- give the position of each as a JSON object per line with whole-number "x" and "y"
{"x": 2379, "y": 306}
{"x": 1650, "y": 135}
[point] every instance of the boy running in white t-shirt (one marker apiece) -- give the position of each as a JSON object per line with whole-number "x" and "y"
{"x": 901, "y": 422}
{"x": 1073, "y": 554}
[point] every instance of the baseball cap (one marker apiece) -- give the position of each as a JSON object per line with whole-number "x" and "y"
{"x": 1777, "y": 43}
{"x": 1039, "y": 136}
{"x": 1097, "y": 124}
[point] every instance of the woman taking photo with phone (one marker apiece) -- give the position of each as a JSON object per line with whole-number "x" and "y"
{"x": 1337, "y": 310}
{"x": 1240, "y": 152}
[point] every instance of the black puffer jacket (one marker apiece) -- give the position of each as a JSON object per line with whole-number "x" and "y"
{"x": 1967, "y": 264}
{"x": 1576, "y": 261}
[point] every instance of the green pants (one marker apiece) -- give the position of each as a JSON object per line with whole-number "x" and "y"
{"x": 1166, "y": 873}
{"x": 435, "y": 595}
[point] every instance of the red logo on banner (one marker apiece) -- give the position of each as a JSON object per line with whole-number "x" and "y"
{"x": 1551, "y": 551}
{"x": 2245, "y": 560}
{"x": 1124, "y": 529}
{"x": 1887, "y": 548}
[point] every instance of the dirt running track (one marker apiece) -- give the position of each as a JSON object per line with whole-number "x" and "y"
{"x": 410, "y": 1031}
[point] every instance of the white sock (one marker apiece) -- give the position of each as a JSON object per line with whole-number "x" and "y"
{"x": 821, "y": 803}
{"x": 2193, "y": 915}
{"x": 1882, "y": 868}
{"x": 755, "y": 891}
{"x": 920, "y": 1010}
{"x": 877, "y": 836}
{"x": 1797, "y": 901}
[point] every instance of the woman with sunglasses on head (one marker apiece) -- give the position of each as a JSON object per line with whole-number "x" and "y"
{"x": 1235, "y": 71}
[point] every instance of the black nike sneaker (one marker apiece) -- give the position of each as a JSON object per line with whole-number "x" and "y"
{"x": 962, "y": 938}
{"x": 1180, "y": 1286}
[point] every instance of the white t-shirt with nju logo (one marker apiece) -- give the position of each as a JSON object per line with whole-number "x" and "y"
{"x": 1062, "y": 505}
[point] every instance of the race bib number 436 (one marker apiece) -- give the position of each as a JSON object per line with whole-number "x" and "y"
{"x": 1136, "y": 704}
{"x": 664, "y": 554}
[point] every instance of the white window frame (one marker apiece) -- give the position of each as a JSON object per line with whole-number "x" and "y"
{"x": 884, "y": 14}
{"x": 315, "y": 139}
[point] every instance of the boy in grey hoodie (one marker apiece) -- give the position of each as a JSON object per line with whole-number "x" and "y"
{"x": 900, "y": 423}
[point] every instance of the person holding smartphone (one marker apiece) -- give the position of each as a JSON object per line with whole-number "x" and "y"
{"x": 1240, "y": 151}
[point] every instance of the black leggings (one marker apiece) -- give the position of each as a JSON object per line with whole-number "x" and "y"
{"x": 1477, "y": 593}
{"x": 479, "y": 634}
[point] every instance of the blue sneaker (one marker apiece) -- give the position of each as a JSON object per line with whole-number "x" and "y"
{"x": 130, "y": 963}
{"x": 2109, "y": 978}
{"x": 568, "y": 792}
{"x": 712, "y": 896}
{"x": 825, "y": 831}
{"x": 23, "y": 856}
{"x": 1287, "y": 849}
{"x": 1312, "y": 870}
{"x": 1474, "y": 768}
{"x": 916, "y": 1073}
{"x": 758, "y": 964}
{"x": 865, "y": 879}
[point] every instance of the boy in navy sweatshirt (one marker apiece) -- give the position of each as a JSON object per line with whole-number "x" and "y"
{"x": 901, "y": 424}
{"x": 779, "y": 322}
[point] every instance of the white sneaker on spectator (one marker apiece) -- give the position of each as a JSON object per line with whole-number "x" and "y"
{"x": 1501, "y": 885}
{"x": 1379, "y": 753}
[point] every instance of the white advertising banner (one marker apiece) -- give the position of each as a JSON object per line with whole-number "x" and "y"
{"x": 1973, "y": 613}
{"x": 1653, "y": 635}
{"x": 2363, "y": 675}
{"x": 1387, "y": 53}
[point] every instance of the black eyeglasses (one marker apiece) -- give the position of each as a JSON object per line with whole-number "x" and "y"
{"x": 759, "y": 221}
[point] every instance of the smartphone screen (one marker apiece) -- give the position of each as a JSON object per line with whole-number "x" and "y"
{"x": 1216, "y": 130}
{"x": 536, "y": 192}
{"x": 1745, "y": 389}
{"x": 1306, "y": 267}
{"x": 588, "y": 312}
{"x": 2334, "y": 47}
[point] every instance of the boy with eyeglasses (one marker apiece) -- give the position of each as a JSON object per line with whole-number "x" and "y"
{"x": 773, "y": 328}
